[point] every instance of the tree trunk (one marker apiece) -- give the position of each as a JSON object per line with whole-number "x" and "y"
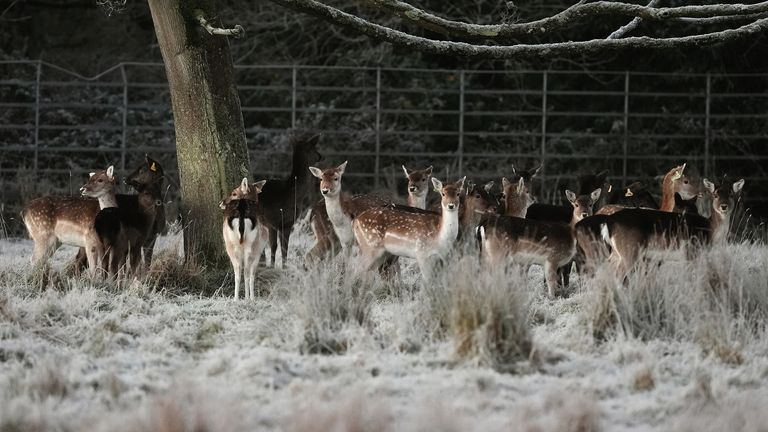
{"x": 210, "y": 137}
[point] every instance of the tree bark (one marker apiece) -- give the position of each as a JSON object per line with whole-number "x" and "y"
{"x": 210, "y": 137}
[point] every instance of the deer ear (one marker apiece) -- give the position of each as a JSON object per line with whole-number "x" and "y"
{"x": 595, "y": 195}
{"x": 153, "y": 167}
{"x": 536, "y": 171}
{"x": 340, "y": 169}
{"x": 259, "y": 185}
{"x": 91, "y": 174}
{"x": 317, "y": 172}
{"x": 437, "y": 184}
{"x": 428, "y": 171}
{"x": 405, "y": 170}
{"x": 709, "y": 185}
{"x": 629, "y": 193}
{"x": 571, "y": 196}
{"x": 513, "y": 169}
{"x": 222, "y": 205}
{"x": 111, "y": 172}
{"x": 738, "y": 186}
{"x": 505, "y": 183}
{"x": 521, "y": 186}
{"x": 460, "y": 183}
{"x": 488, "y": 186}
{"x": 244, "y": 186}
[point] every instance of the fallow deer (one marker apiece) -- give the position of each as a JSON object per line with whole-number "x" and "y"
{"x": 631, "y": 196}
{"x": 517, "y": 198}
{"x": 586, "y": 183}
{"x": 106, "y": 242}
{"x": 245, "y": 235}
{"x": 631, "y": 231}
{"x": 340, "y": 208}
{"x": 384, "y": 232}
{"x": 549, "y": 244}
{"x": 53, "y": 220}
{"x": 418, "y": 186}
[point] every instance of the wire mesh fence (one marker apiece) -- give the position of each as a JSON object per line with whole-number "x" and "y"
{"x": 57, "y": 125}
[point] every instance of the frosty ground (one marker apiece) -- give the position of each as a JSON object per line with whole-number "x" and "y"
{"x": 83, "y": 356}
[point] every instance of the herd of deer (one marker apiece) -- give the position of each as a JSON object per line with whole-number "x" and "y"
{"x": 116, "y": 231}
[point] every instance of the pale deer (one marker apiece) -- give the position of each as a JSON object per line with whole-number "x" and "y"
{"x": 245, "y": 235}
{"x": 418, "y": 186}
{"x": 632, "y": 231}
{"x": 340, "y": 208}
{"x": 106, "y": 242}
{"x": 425, "y": 236}
{"x": 53, "y": 220}
{"x": 549, "y": 244}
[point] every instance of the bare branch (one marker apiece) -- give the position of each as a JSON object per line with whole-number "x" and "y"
{"x": 622, "y": 31}
{"x": 237, "y": 32}
{"x": 547, "y": 50}
{"x": 578, "y": 13}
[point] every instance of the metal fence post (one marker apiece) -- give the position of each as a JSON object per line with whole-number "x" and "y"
{"x": 460, "y": 149}
{"x": 293, "y": 97}
{"x": 707, "y": 133}
{"x": 377, "y": 167}
{"x": 124, "y": 143}
{"x": 543, "y": 171}
{"x": 35, "y": 163}
{"x": 625, "y": 146}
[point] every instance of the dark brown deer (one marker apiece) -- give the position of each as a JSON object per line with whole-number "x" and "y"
{"x": 52, "y": 221}
{"x": 549, "y": 244}
{"x": 631, "y": 231}
{"x": 284, "y": 200}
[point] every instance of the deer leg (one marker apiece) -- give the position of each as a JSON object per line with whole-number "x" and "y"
{"x": 147, "y": 250}
{"x": 564, "y": 275}
{"x": 273, "y": 246}
{"x": 285, "y": 234}
{"x": 44, "y": 249}
{"x": 550, "y": 273}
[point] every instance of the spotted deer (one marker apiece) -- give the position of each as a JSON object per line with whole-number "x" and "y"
{"x": 52, "y": 221}
{"x": 632, "y": 231}
{"x": 106, "y": 242}
{"x": 526, "y": 241}
{"x": 418, "y": 186}
{"x": 245, "y": 235}
{"x": 425, "y": 236}
{"x": 340, "y": 208}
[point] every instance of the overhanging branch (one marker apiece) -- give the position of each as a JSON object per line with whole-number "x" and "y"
{"x": 578, "y": 13}
{"x": 237, "y": 32}
{"x": 566, "y": 49}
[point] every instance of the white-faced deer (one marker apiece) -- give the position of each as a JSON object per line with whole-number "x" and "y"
{"x": 418, "y": 186}
{"x": 245, "y": 235}
{"x": 340, "y": 208}
{"x": 52, "y": 220}
{"x": 549, "y": 244}
{"x": 425, "y": 236}
{"x": 631, "y": 231}
{"x": 106, "y": 242}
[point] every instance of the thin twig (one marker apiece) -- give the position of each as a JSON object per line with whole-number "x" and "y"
{"x": 237, "y": 32}
{"x": 623, "y": 30}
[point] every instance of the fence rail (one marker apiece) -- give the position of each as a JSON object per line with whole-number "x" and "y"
{"x": 56, "y": 124}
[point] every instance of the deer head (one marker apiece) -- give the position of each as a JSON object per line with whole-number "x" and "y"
{"x": 330, "y": 179}
{"x": 449, "y": 194}
{"x": 724, "y": 196}
{"x": 100, "y": 183}
{"x": 418, "y": 181}
{"x": 307, "y": 149}
{"x": 244, "y": 191}
{"x": 149, "y": 173}
{"x": 480, "y": 200}
{"x": 517, "y": 199}
{"x": 582, "y": 204}
{"x": 676, "y": 181}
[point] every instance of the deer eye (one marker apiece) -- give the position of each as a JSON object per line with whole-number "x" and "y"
{"x": 101, "y": 180}
{"x": 335, "y": 178}
{"x": 685, "y": 181}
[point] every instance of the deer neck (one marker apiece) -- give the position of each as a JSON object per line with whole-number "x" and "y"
{"x": 107, "y": 200}
{"x": 340, "y": 219}
{"x": 515, "y": 206}
{"x": 719, "y": 225}
{"x": 449, "y": 228}
{"x": 417, "y": 201}
{"x": 667, "y": 194}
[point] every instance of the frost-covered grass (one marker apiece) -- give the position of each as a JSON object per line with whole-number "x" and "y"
{"x": 681, "y": 347}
